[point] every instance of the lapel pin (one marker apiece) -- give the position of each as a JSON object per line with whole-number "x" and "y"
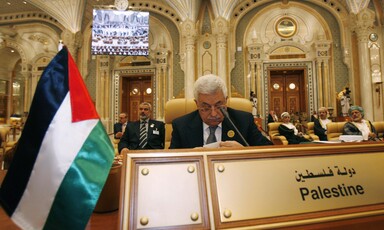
{"x": 231, "y": 133}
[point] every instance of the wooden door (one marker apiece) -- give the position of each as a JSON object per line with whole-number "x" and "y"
{"x": 135, "y": 91}
{"x": 287, "y": 91}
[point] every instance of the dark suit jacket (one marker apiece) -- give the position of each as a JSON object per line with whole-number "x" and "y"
{"x": 289, "y": 134}
{"x": 351, "y": 129}
{"x": 131, "y": 136}
{"x": 319, "y": 130}
{"x": 270, "y": 119}
{"x": 118, "y": 127}
{"x": 188, "y": 130}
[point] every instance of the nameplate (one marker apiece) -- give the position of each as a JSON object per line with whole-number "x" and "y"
{"x": 264, "y": 187}
{"x": 261, "y": 188}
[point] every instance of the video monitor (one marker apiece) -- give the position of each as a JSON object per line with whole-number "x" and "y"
{"x": 120, "y": 33}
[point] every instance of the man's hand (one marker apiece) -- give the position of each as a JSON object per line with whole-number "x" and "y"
{"x": 371, "y": 135}
{"x": 230, "y": 144}
{"x": 124, "y": 151}
{"x": 119, "y": 134}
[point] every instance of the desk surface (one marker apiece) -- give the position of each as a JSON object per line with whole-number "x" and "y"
{"x": 108, "y": 221}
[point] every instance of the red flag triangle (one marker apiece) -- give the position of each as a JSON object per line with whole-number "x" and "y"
{"x": 81, "y": 102}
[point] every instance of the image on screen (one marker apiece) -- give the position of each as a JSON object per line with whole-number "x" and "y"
{"x": 120, "y": 33}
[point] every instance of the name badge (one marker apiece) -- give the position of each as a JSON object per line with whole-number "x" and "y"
{"x": 156, "y": 132}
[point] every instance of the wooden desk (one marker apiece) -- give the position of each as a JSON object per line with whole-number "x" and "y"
{"x": 108, "y": 221}
{"x": 101, "y": 221}
{"x": 256, "y": 188}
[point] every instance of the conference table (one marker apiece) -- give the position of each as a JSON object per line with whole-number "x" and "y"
{"x": 214, "y": 169}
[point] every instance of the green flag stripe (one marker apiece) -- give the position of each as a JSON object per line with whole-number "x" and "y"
{"x": 82, "y": 183}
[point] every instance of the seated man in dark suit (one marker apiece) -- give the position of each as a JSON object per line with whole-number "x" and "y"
{"x": 320, "y": 124}
{"x": 143, "y": 134}
{"x": 119, "y": 127}
{"x": 272, "y": 117}
{"x": 207, "y": 124}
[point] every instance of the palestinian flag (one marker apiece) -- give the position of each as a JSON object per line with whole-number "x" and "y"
{"x": 63, "y": 156}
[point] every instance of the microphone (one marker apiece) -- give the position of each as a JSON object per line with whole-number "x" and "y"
{"x": 226, "y": 115}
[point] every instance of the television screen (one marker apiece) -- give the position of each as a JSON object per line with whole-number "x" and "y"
{"x": 120, "y": 33}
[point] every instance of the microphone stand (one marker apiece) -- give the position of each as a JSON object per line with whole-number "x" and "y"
{"x": 226, "y": 115}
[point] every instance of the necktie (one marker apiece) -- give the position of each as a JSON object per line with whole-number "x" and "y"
{"x": 211, "y": 138}
{"x": 143, "y": 135}
{"x": 123, "y": 128}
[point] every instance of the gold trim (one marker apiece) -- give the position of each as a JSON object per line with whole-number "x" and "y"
{"x": 210, "y": 215}
{"x": 318, "y": 220}
{"x": 286, "y": 27}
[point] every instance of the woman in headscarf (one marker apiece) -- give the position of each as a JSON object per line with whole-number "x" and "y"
{"x": 359, "y": 126}
{"x": 289, "y": 131}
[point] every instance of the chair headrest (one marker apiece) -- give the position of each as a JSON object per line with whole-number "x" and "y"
{"x": 274, "y": 125}
{"x": 178, "y": 107}
{"x": 240, "y": 104}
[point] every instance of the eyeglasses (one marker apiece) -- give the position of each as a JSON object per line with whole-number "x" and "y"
{"x": 205, "y": 108}
{"x": 145, "y": 109}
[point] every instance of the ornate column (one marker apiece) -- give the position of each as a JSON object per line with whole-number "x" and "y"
{"x": 319, "y": 82}
{"x": 256, "y": 56}
{"x": 327, "y": 91}
{"x": 73, "y": 41}
{"x": 34, "y": 79}
{"x": 220, "y": 30}
{"x": 2, "y": 40}
{"x": 103, "y": 87}
{"x": 189, "y": 35}
{"x": 363, "y": 23}
{"x": 26, "y": 72}
{"x": 161, "y": 79}
{"x": 325, "y": 85}
{"x": 375, "y": 67}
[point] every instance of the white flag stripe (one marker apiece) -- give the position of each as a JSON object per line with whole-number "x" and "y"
{"x": 59, "y": 148}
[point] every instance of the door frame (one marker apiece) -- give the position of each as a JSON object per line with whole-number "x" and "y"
{"x": 303, "y": 100}
{"x": 117, "y": 88}
{"x": 131, "y": 106}
{"x": 311, "y": 93}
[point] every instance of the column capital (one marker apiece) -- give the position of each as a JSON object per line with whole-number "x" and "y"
{"x": 220, "y": 27}
{"x": 104, "y": 62}
{"x": 25, "y": 68}
{"x": 73, "y": 41}
{"x": 189, "y": 31}
{"x": 322, "y": 48}
{"x": 2, "y": 40}
{"x": 256, "y": 52}
{"x": 26, "y": 71}
{"x": 161, "y": 57}
{"x": 363, "y": 23}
